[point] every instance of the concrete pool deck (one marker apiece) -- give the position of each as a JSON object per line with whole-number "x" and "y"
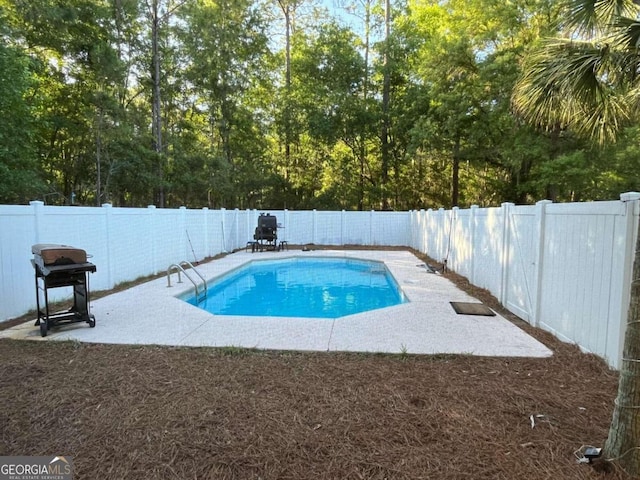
{"x": 151, "y": 314}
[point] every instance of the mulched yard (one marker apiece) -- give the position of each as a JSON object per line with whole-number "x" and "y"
{"x": 145, "y": 412}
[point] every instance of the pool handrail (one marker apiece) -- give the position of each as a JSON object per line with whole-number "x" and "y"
{"x": 179, "y": 267}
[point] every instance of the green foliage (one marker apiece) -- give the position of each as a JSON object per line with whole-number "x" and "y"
{"x": 585, "y": 81}
{"x": 76, "y": 103}
{"x": 20, "y": 176}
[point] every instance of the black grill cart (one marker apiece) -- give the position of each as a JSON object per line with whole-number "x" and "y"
{"x": 61, "y": 266}
{"x": 266, "y": 233}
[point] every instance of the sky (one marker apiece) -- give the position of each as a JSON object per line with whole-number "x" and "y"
{"x": 340, "y": 13}
{"x": 303, "y": 14}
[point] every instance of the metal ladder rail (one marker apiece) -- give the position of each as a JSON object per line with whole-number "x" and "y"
{"x": 204, "y": 282}
{"x": 179, "y": 268}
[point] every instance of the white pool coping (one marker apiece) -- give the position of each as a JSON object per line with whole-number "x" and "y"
{"x": 151, "y": 314}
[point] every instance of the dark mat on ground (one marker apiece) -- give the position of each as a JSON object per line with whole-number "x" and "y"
{"x": 472, "y": 308}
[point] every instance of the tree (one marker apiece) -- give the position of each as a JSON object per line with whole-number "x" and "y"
{"x": 19, "y": 171}
{"x": 455, "y": 64}
{"x": 225, "y": 49}
{"x": 73, "y": 66}
{"x": 288, "y": 8}
{"x": 587, "y": 82}
{"x": 189, "y": 102}
{"x": 385, "y": 147}
{"x": 363, "y": 9}
{"x": 157, "y": 17}
{"x": 328, "y": 84}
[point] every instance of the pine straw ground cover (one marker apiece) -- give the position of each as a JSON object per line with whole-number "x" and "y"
{"x": 147, "y": 412}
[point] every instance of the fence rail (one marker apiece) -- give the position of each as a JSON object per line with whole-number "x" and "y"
{"x": 562, "y": 267}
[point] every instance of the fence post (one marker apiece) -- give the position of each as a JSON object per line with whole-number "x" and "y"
{"x": 184, "y": 248}
{"x": 440, "y": 245}
{"x": 426, "y": 238}
{"x": 451, "y": 250}
{"x": 153, "y": 236}
{"x": 541, "y": 219}
{"x": 505, "y": 250}
{"x": 37, "y": 219}
{"x": 421, "y": 231}
{"x": 236, "y": 228}
{"x": 108, "y": 212}
{"x": 314, "y": 226}
{"x": 205, "y": 222}
{"x": 371, "y": 227}
{"x": 631, "y": 202}
{"x": 411, "y": 229}
{"x": 223, "y": 215}
{"x": 285, "y": 225}
{"x": 473, "y": 222}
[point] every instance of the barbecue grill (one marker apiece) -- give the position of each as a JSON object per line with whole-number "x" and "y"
{"x": 62, "y": 266}
{"x": 266, "y": 233}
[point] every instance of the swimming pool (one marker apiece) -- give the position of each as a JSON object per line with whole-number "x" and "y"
{"x": 312, "y": 287}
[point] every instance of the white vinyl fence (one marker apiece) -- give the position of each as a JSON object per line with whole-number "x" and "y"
{"x": 562, "y": 267}
{"x": 129, "y": 243}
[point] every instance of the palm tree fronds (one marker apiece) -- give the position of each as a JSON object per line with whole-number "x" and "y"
{"x": 626, "y": 33}
{"x": 572, "y": 84}
{"x": 633, "y": 100}
{"x": 603, "y": 123}
{"x": 589, "y": 18}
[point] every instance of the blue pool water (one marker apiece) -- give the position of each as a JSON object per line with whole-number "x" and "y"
{"x": 302, "y": 287}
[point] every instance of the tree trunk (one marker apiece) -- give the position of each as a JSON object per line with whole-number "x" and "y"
{"x": 623, "y": 444}
{"x": 156, "y": 123}
{"x": 98, "y": 159}
{"x": 287, "y": 142}
{"x": 285, "y": 6}
{"x": 365, "y": 98}
{"x": 386, "y": 93}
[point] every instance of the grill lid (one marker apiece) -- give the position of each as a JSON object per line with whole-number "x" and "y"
{"x": 52, "y": 254}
